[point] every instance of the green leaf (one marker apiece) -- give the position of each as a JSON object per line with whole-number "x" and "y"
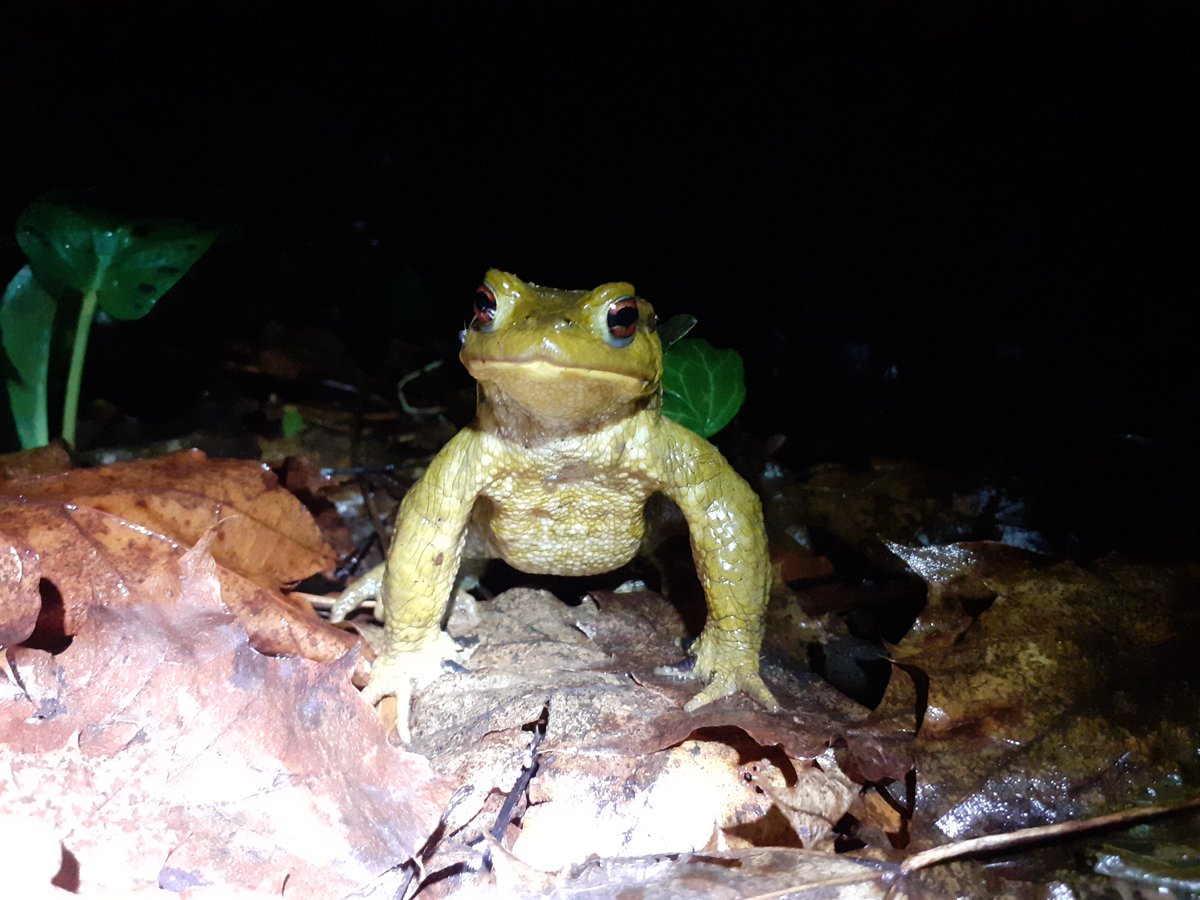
{"x": 130, "y": 265}
{"x": 26, "y": 321}
{"x": 293, "y": 423}
{"x": 58, "y": 239}
{"x": 703, "y": 387}
{"x": 155, "y": 257}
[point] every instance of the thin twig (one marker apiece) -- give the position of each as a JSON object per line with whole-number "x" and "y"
{"x": 994, "y": 842}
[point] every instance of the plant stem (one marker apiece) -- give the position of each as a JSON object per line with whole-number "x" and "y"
{"x": 75, "y": 374}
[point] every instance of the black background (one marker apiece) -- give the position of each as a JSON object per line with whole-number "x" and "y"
{"x": 952, "y": 230}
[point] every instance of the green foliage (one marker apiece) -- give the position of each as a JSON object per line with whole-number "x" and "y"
{"x": 80, "y": 260}
{"x": 703, "y": 387}
{"x": 293, "y": 423}
{"x": 129, "y": 266}
{"x": 26, "y": 317}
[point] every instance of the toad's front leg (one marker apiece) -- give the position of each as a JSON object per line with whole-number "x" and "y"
{"x": 729, "y": 544}
{"x": 416, "y": 584}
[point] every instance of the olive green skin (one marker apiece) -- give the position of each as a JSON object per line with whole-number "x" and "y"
{"x": 568, "y": 443}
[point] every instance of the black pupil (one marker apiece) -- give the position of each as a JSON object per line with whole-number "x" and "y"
{"x": 622, "y": 319}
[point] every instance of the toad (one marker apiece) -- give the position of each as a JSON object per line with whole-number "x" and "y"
{"x": 568, "y": 442}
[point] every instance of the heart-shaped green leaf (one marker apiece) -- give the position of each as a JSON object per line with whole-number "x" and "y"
{"x": 703, "y": 387}
{"x": 128, "y": 265}
{"x": 59, "y": 240}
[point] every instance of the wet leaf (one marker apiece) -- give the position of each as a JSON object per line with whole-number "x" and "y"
{"x": 855, "y": 511}
{"x": 703, "y": 387}
{"x": 1166, "y": 866}
{"x": 1056, "y": 691}
{"x": 130, "y": 265}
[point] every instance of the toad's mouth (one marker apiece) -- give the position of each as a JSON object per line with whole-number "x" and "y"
{"x": 538, "y": 368}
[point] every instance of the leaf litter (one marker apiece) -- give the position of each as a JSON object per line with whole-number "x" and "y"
{"x": 166, "y": 745}
{"x": 1055, "y": 691}
{"x": 557, "y": 761}
{"x": 165, "y": 751}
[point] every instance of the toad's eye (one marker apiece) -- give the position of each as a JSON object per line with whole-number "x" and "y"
{"x": 622, "y": 321}
{"x": 485, "y": 308}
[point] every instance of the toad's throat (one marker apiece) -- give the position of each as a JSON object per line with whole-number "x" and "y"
{"x": 535, "y": 400}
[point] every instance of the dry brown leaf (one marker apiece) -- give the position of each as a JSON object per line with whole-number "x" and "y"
{"x": 710, "y": 793}
{"x": 317, "y": 491}
{"x": 623, "y": 769}
{"x": 163, "y": 750}
{"x": 89, "y": 558}
{"x": 98, "y": 533}
{"x": 811, "y": 794}
{"x": 792, "y": 562}
{"x": 1055, "y": 691}
{"x": 281, "y": 624}
{"x": 262, "y": 531}
{"x": 710, "y": 875}
{"x": 20, "y": 573}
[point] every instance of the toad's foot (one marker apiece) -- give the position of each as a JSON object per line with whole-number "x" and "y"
{"x": 728, "y": 663}
{"x": 398, "y": 673}
{"x": 365, "y": 588}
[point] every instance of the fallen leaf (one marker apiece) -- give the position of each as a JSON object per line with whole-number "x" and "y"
{"x": 20, "y": 574}
{"x": 812, "y": 795}
{"x": 262, "y": 531}
{"x": 710, "y": 875}
{"x": 164, "y": 751}
{"x": 1048, "y": 695}
{"x": 622, "y": 769}
{"x": 851, "y": 513}
{"x": 98, "y": 533}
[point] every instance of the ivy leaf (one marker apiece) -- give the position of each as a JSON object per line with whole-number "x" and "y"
{"x": 26, "y": 320}
{"x": 129, "y": 265}
{"x": 703, "y": 387}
